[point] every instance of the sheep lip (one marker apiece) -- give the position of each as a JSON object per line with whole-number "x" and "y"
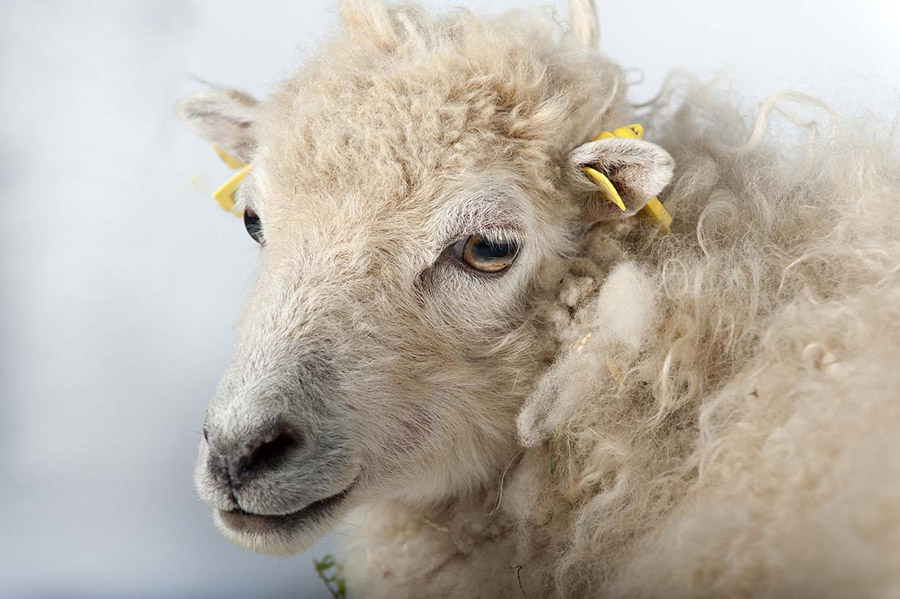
{"x": 247, "y": 522}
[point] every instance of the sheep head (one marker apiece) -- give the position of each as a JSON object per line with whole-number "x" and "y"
{"x": 414, "y": 187}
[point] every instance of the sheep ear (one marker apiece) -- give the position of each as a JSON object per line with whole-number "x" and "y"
{"x": 637, "y": 171}
{"x": 226, "y": 117}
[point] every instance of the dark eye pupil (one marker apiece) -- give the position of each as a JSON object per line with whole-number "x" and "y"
{"x": 491, "y": 256}
{"x": 492, "y": 250}
{"x": 253, "y": 225}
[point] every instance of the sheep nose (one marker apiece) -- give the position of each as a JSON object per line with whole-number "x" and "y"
{"x": 265, "y": 451}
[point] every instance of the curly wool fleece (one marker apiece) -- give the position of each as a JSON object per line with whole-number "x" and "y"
{"x": 718, "y": 412}
{"x": 741, "y": 438}
{"x": 722, "y": 417}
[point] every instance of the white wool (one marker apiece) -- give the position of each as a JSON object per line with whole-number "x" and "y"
{"x": 724, "y": 406}
{"x": 626, "y": 304}
{"x": 739, "y": 451}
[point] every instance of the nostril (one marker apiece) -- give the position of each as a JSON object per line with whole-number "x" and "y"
{"x": 265, "y": 452}
{"x": 271, "y": 452}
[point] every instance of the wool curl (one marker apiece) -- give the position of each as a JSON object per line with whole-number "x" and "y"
{"x": 724, "y": 409}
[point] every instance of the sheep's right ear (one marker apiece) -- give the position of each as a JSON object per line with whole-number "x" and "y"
{"x": 638, "y": 170}
{"x": 223, "y": 116}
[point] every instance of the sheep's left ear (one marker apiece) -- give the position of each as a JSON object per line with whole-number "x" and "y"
{"x": 224, "y": 116}
{"x": 638, "y": 170}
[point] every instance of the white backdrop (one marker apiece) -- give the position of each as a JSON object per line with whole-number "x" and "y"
{"x": 120, "y": 278}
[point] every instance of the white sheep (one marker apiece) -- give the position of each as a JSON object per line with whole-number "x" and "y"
{"x": 517, "y": 389}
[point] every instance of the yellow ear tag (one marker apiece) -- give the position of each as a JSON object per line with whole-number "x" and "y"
{"x": 232, "y": 162}
{"x": 605, "y": 185}
{"x": 653, "y": 211}
{"x": 224, "y": 196}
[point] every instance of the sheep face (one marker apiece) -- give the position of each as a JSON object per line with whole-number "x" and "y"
{"x": 413, "y": 196}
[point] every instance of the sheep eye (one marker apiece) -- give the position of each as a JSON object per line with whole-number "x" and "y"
{"x": 488, "y": 256}
{"x": 253, "y": 225}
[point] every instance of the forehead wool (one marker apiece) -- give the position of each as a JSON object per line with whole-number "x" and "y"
{"x": 403, "y": 102}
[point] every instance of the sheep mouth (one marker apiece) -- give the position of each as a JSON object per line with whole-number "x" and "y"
{"x": 242, "y": 521}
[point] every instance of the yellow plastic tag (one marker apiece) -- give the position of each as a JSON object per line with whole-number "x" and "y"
{"x": 224, "y": 195}
{"x": 605, "y": 185}
{"x": 653, "y": 211}
{"x": 232, "y": 162}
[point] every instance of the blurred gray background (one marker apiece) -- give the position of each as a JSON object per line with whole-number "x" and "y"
{"x": 120, "y": 278}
